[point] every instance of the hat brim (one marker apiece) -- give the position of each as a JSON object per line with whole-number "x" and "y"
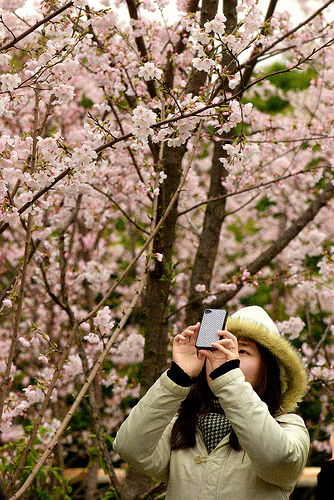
{"x": 292, "y": 373}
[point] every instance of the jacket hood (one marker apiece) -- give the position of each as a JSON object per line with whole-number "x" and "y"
{"x": 254, "y": 323}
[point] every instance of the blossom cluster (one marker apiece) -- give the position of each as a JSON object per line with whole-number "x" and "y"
{"x": 237, "y": 158}
{"x": 143, "y": 118}
{"x": 149, "y": 71}
{"x": 130, "y": 350}
{"x": 291, "y": 327}
{"x": 104, "y": 321}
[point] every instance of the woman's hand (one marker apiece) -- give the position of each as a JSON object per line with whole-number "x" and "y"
{"x": 185, "y": 353}
{"x": 225, "y": 350}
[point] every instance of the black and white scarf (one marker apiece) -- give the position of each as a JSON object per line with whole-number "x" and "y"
{"x": 214, "y": 426}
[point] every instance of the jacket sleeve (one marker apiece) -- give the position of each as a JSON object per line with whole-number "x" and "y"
{"x": 143, "y": 440}
{"x": 277, "y": 448}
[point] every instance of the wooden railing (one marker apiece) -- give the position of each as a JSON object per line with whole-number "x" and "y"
{"x": 308, "y": 477}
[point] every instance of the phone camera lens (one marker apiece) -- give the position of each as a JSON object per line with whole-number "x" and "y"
{"x": 207, "y": 311}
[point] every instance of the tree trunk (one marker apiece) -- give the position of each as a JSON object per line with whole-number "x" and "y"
{"x": 215, "y": 211}
{"x": 160, "y": 275}
{"x": 209, "y": 239}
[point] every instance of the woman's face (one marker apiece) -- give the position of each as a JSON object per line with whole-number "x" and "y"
{"x": 250, "y": 360}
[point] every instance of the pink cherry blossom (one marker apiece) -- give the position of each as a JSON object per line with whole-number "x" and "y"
{"x": 130, "y": 350}
{"x": 9, "y": 82}
{"x": 103, "y": 320}
{"x": 292, "y": 327}
{"x": 143, "y": 118}
{"x": 24, "y": 342}
{"x": 92, "y": 338}
{"x": 149, "y": 71}
{"x": 217, "y": 24}
{"x": 204, "y": 64}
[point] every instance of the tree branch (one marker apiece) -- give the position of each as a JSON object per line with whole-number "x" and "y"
{"x": 132, "y": 8}
{"x": 282, "y": 242}
{"x": 252, "y": 61}
{"x": 198, "y": 112}
{"x": 98, "y": 363}
{"x": 141, "y": 229}
{"x": 215, "y": 213}
{"x": 90, "y": 377}
{"x": 41, "y": 412}
{"x": 246, "y": 190}
{"x": 179, "y": 48}
{"x": 38, "y": 195}
{"x": 320, "y": 343}
{"x": 35, "y": 26}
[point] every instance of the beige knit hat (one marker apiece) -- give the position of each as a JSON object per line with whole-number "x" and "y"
{"x": 254, "y": 323}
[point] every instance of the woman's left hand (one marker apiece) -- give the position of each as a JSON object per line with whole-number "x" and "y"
{"x": 225, "y": 350}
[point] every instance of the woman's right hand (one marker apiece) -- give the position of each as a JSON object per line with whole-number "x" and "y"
{"x": 185, "y": 353}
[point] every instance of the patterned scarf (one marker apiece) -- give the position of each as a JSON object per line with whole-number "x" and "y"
{"x": 214, "y": 426}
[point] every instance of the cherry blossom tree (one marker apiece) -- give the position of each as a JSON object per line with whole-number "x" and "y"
{"x": 140, "y": 183}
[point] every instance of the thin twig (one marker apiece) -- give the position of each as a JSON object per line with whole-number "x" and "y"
{"x": 4, "y": 387}
{"x": 246, "y": 190}
{"x": 157, "y": 125}
{"x": 80, "y": 396}
{"x": 291, "y": 32}
{"x": 6, "y": 378}
{"x": 141, "y": 229}
{"x": 113, "y": 338}
{"x": 35, "y": 26}
{"x": 320, "y": 343}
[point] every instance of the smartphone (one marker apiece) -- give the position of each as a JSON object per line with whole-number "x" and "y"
{"x": 212, "y": 320}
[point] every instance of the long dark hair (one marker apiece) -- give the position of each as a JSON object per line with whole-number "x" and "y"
{"x": 200, "y": 397}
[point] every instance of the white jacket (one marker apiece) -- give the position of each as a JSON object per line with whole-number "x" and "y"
{"x": 274, "y": 451}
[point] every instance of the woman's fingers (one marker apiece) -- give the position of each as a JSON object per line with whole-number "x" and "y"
{"x": 228, "y": 340}
{"x": 225, "y": 348}
{"x": 228, "y": 335}
{"x": 185, "y": 353}
{"x": 188, "y": 333}
{"x": 179, "y": 338}
{"x": 188, "y": 336}
{"x": 227, "y": 344}
{"x": 195, "y": 330}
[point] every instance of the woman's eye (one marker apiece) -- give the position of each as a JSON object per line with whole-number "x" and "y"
{"x": 242, "y": 351}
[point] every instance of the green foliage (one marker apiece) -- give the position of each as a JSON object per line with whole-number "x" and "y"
{"x": 242, "y": 230}
{"x": 260, "y": 297}
{"x": 86, "y": 102}
{"x": 40, "y": 488}
{"x": 311, "y": 262}
{"x": 292, "y": 80}
{"x": 109, "y": 495}
{"x": 264, "y": 203}
{"x": 81, "y": 419}
{"x": 272, "y": 104}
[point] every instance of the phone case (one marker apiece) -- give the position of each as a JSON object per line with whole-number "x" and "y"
{"x": 212, "y": 320}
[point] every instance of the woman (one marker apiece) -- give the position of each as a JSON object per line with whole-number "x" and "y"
{"x": 204, "y": 429}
